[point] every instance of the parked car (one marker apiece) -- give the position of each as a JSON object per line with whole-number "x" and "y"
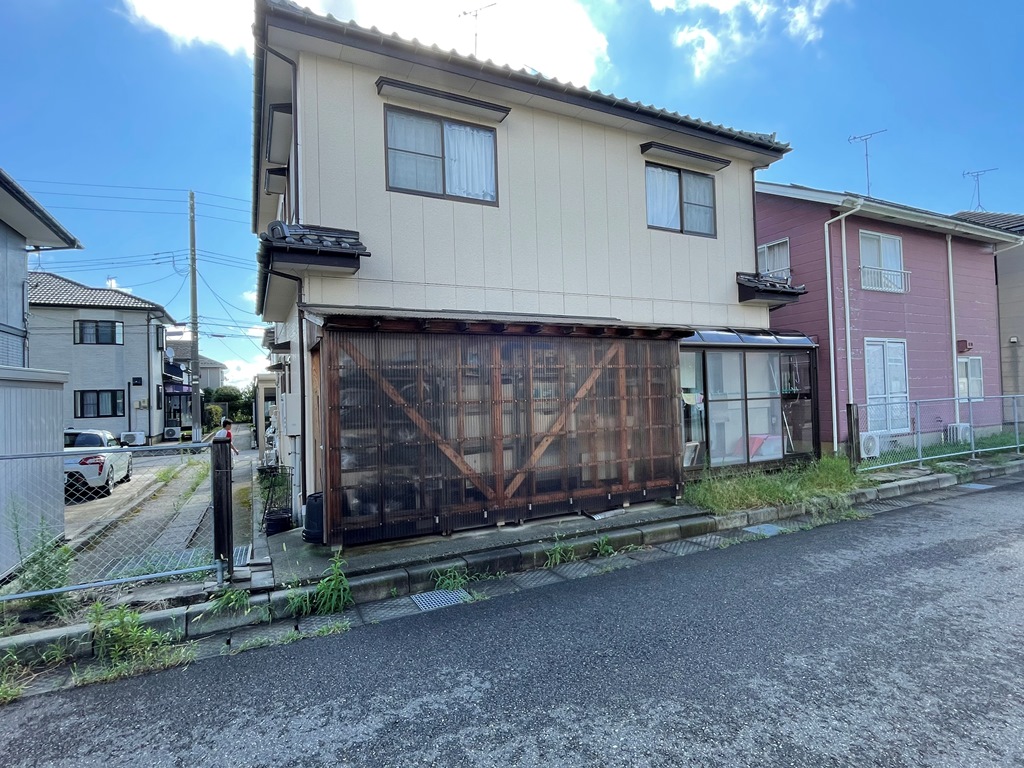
{"x": 90, "y": 463}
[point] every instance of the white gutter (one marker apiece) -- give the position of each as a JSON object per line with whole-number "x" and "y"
{"x": 831, "y": 323}
{"x": 952, "y": 327}
{"x": 846, "y": 319}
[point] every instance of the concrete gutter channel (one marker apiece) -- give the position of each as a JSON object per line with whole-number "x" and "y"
{"x": 406, "y": 569}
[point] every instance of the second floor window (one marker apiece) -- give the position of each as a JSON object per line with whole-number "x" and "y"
{"x": 881, "y": 264}
{"x": 99, "y": 332}
{"x": 680, "y": 200}
{"x": 440, "y": 157}
{"x": 773, "y": 260}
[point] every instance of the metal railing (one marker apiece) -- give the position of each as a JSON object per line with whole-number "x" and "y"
{"x": 917, "y": 431}
{"x": 97, "y": 518}
{"x": 885, "y": 280}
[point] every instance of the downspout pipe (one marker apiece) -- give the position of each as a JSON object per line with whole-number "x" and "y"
{"x": 831, "y": 322}
{"x": 846, "y": 317}
{"x": 302, "y": 377}
{"x": 952, "y": 327}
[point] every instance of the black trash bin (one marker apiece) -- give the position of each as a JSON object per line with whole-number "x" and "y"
{"x": 313, "y": 526}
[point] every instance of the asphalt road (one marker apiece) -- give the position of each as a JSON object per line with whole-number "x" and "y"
{"x": 894, "y": 641}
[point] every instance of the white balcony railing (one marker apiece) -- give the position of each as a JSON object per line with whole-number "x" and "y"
{"x": 885, "y": 280}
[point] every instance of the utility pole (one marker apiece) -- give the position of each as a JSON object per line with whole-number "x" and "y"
{"x": 865, "y": 138}
{"x": 193, "y": 373}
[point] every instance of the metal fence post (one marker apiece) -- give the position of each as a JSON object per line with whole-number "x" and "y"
{"x": 852, "y": 434}
{"x": 970, "y": 418}
{"x": 220, "y": 459}
{"x": 917, "y": 433}
{"x": 1016, "y": 425}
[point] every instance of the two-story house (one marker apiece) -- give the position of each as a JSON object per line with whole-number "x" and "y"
{"x": 903, "y": 303}
{"x": 31, "y": 489}
{"x": 499, "y": 296}
{"x": 112, "y": 342}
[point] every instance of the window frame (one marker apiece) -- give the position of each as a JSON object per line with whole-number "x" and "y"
{"x": 444, "y": 181}
{"x": 118, "y": 327}
{"x": 117, "y": 401}
{"x": 888, "y": 398}
{"x": 680, "y": 173}
{"x": 903, "y": 272}
{"x": 789, "y": 259}
{"x": 970, "y": 395}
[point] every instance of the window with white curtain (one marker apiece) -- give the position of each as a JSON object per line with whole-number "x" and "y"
{"x": 885, "y": 369}
{"x": 680, "y": 200}
{"x": 437, "y": 156}
{"x": 98, "y": 403}
{"x": 881, "y": 263}
{"x": 970, "y": 379}
{"x": 773, "y": 259}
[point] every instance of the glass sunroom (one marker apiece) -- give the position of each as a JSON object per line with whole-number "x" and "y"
{"x": 747, "y": 397}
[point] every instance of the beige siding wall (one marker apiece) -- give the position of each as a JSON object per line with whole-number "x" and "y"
{"x": 568, "y": 237}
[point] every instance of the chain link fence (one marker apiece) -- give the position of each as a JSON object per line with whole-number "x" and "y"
{"x": 891, "y": 432}
{"x": 76, "y": 526}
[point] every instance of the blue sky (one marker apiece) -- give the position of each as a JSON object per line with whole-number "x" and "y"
{"x": 121, "y": 106}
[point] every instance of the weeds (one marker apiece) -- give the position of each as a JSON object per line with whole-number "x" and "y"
{"x": 333, "y": 594}
{"x": 300, "y": 603}
{"x": 559, "y": 553}
{"x": 46, "y": 566}
{"x": 451, "y": 579}
{"x": 603, "y": 548}
{"x": 12, "y": 677}
{"x": 231, "y": 601}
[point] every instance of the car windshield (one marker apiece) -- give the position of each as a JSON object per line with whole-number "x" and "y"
{"x": 82, "y": 440}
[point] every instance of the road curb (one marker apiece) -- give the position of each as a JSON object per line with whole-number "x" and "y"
{"x": 203, "y": 619}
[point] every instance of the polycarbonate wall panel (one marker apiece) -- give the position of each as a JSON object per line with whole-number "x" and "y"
{"x": 435, "y": 432}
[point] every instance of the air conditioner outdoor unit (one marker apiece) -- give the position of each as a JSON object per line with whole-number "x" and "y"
{"x": 870, "y": 445}
{"x": 172, "y": 433}
{"x": 958, "y": 433}
{"x": 133, "y": 438}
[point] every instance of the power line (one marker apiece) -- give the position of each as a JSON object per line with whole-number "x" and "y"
{"x": 116, "y": 210}
{"x": 222, "y": 303}
{"x": 226, "y": 197}
{"x": 225, "y": 207}
{"x": 221, "y": 218}
{"x": 104, "y": 186}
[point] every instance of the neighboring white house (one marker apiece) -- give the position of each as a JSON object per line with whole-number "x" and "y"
{"x": 31, "y": 490}
{"x": 211, "y": 373}
{"x": 112, "y": 342}
{"x": 526, "y": 337}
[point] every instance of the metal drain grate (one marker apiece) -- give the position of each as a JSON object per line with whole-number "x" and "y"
{"x": 440, "y": 598}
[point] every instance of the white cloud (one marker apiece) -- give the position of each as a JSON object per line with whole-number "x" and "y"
{"x": 250, "y": 296}
{"x": 256, "y": 331}
{"x": 240, "y": 373}
{"x": 112, "y": 283}
{"x": 520, "y": 33}
{"x": 718, "y": 32}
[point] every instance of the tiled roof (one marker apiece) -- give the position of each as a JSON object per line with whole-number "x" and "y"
{"x": 514, "y": 78}
{"x": 209, "y": 362}
{"x": 48, "y": 289}
{"x": 326, "y": 240}
{"x": 1011, "y": 222}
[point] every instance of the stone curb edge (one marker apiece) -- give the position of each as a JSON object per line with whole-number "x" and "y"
{"x": 200, "y": 620}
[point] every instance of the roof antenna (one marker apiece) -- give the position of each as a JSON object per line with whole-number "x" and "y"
{"x": 865, "y": 138}
{"x": 476, "y": 21}
{"x": 977, "y": 186}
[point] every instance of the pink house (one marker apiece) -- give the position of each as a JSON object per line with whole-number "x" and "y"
{"x": 902, "y": 301}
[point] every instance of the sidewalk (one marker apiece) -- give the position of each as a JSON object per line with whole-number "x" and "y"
{"x": 399, "y": 579}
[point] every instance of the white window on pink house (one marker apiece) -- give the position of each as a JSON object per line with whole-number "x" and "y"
{"x": 970, "y": 379}
{"x": 885, "y": 371}
{"x": 881, "y": 264}
{"x": 773, "y": 260}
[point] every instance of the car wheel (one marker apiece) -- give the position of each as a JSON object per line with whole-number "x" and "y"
{"x": 128, "y": 471}
{"x": 107, "y": 487}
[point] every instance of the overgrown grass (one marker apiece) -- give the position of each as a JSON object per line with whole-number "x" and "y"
{"x": 819, "y": 482}
{"x": 996, "y": 448}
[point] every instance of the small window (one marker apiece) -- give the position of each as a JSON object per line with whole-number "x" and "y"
{"x": 773, "y": 260}
{"x": 440, "y": 157}
{"x": 98, "y": 403}
{"x": 99, "y": 332}
{"x": 881, "y": 264}
{"x": 161, "y": 337}
{"x": 682, "y": 201}
{"x": 970, "y": 379}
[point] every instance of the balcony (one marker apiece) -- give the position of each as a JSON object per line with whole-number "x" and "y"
{"x": 884, "y": 280}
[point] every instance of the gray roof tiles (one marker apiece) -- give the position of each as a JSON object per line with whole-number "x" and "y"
{"x": 1011, "y": 222}
{"x": 48, "y": 289}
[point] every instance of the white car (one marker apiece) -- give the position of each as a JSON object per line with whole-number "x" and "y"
{"x": 90, "y": 464}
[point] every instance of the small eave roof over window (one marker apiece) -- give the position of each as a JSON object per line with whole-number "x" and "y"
{"x": 46, "y": 289}
{"x": 20, "y": 211}
{"x": 884, "y": 210}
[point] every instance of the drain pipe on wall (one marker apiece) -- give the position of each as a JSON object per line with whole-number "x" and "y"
{"x": 831, "y": 319}
{"x": 952, "y": 327}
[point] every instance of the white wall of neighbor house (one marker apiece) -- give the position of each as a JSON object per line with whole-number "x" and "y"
{"x": 569, "y": 235}
{"x": 102, "y": 366}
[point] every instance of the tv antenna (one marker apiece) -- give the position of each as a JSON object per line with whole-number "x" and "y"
{"x": 976, "y": 175}
{"x": 867, "y": 166}
{"x": 476, "y": 21}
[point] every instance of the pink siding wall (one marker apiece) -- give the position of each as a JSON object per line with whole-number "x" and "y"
{"x": 921, "y": 317}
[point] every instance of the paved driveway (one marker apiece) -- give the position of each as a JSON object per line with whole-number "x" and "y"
{"x": 894, "y": 641}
